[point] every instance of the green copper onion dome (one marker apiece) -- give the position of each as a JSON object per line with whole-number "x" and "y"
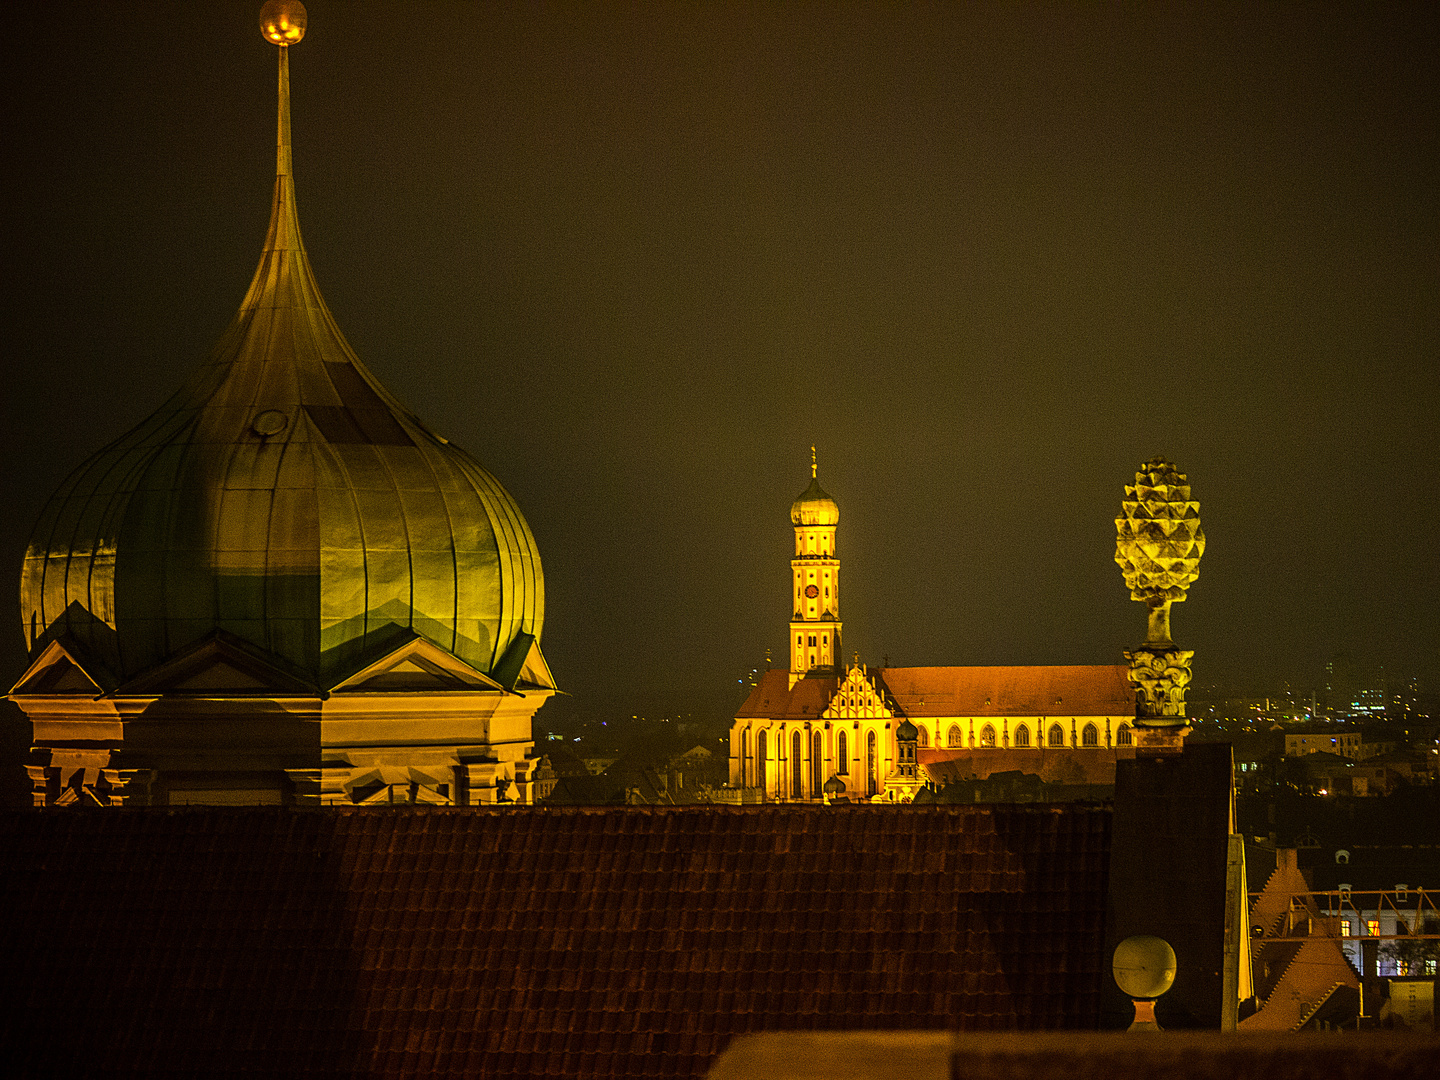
{"x": 282, "y": 495}
{"x": 814, "y": 506}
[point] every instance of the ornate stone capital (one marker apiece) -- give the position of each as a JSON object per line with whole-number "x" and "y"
{"x": 1159, "y": 676}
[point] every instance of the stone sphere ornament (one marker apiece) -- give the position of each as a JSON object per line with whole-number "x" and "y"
{"x": 283, "y": 22}
{"x": 1159, "y": 542}
{"x": 1144, "y": 968}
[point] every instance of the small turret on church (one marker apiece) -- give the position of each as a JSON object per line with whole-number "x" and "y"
{"x": 904, "y": 780}
{"x": 815, "y": 626}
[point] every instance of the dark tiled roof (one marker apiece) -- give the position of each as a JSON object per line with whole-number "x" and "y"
{"x": 615, "y": 942}
{"x": 774, "y": 699}
{"x": 1091, "y": 690}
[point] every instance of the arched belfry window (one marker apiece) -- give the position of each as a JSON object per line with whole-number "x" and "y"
{"x": 987, "y": 735}
{"x": 842, "y": 754}
{"x": 1122, "y": 737}
{"x": 1022, "y": 735}
{"x": 953, "y": 738}
{"x": 797, "y": 767}
{"x": 1090, "y": 736}
{"x": 1057, "y": 735}
{"x": 761, "y": 753}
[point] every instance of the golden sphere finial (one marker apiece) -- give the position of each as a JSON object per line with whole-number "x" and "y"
{"x": 282, "y": 22}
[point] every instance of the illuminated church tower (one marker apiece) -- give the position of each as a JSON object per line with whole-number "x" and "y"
{"x": 282, "y": 587}
{"x": 815, "y": 627}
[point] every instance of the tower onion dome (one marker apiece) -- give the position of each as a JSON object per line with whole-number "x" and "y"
{"x": 285, "y": 496}
{"x": 907, "y": 732}
{"x": 814, "y": 506}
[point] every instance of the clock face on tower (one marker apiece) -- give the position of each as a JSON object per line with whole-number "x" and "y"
{"x": 811, "y": 591}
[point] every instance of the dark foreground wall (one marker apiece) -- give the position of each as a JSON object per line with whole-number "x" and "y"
{"x": 608, "y": 942}
{"x": 1167, "y": 877}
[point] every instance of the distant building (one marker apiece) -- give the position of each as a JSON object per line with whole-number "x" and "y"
{"x": 1345, "y": 744}
{"x": 818, "y": 720}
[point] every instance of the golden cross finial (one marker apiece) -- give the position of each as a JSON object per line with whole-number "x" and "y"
{"x": 814, "y": 468}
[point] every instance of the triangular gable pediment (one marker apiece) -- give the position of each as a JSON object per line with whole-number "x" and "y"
{"x": 218, "y": 665}
{"x": 220, "y": 676}
{"x": 535, "y": 671}
{"x": 62, "y": 668}
{"x": 523, "y": 664}
{"x": 419, "y": 665}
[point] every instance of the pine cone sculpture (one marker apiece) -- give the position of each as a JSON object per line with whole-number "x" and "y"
{"x": 1158, "y": 541}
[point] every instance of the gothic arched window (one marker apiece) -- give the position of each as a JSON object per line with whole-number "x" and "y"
{"x": 745, "y": 758}
{"x": 1122, "y": 737}
{"x": 1090, "y": 736}
{"x": 953, "y": 737}
{"x": 1057, "y": 735}
{"x": 987, "y": 735}
{"x": 922, "y": 737}
{"x": 1022, "y": 735}
{"x": 872, "y": 764}
{"x": 817, "y": 759}
{"x": 842, "y": 755}
{"x": 797, "y": 768}
{"x": 761, "y": 753}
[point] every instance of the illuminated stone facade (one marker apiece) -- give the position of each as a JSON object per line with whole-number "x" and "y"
{"x": 800, "y": 728}
{"x": 281, "y": 586}
{"x": 815, "y": 627}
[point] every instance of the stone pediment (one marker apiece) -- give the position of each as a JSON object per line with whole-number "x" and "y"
{"x": 535, "y": 671}
{"x": 524, "y": 665}
{"x": 418, "y": 666}
{"x": 218, "y": 665}
{"x": 64, "y": 669}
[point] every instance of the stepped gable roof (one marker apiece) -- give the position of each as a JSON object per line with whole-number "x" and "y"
{"x": 528, "y": 943}
{"x": 1088, "y": 690}
{"x": 775, "y": 699}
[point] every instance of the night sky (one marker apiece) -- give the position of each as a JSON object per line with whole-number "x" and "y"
{"x": 636, "y": 259}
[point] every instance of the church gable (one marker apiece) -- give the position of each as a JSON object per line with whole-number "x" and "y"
{"x": 858, "y": 697}
{"x": 418, "y": 666}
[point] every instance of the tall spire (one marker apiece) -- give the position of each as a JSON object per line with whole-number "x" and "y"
{"x": 282, "y": 22}
{"x": 814, "y": 466}
{"x": 284, "y": 279}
